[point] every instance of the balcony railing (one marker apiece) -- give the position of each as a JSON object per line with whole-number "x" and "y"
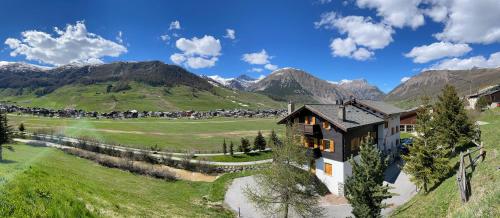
{"x": 309, "y": 129}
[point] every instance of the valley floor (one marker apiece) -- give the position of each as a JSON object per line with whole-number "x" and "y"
{"x": 181, "y": 135}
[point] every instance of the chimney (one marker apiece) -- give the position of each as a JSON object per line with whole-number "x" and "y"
{"x": 342, "y": 112}
{"x": 291, "y": 107}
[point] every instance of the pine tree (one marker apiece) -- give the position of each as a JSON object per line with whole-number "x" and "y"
{"x": 245, "y": 145}
{"x": 283, "y": 187}
{"x": 260, "y": 142}
{"x": 273, "y": 139}
{"x": 482, "y": 102}
{"x": 5, "y": 133}
{"x": 426, "y": 161}
{"x": 224, "y": 147}
{"x": 453, "y": 127}
{"x": 365, "y": 190}
{"x": 231, "y": 148}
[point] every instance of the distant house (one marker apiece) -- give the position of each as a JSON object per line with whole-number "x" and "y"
{"x": 334, "y": 132}
{"x": 492, "y": 94}
{"x": 408, "y": 119}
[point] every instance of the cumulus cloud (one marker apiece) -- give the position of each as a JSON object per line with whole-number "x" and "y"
{"x": 398, "y": 13}
{"x": 404, "y": 79}
{"x": 230, "y": 34}
{"x": 259, "y": 58}
{"x": 74, "y": 44}
{"x": 363, "y": 35}
{"x": 270, "y": 66}
{"x": 175, "y": 25}
{"x": 197, "y": 52}
{"x": 471, "y": 21}
{"x": 468, "y": 63}
{"x": 437, "y": 50}
{"x": 165, "y": 37}
{"x": 256, "y": 69}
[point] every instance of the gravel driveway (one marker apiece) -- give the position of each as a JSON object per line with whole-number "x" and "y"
{"x": 236, "y": 200}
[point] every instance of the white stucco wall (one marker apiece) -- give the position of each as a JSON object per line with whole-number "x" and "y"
{"x": 338, "y": 174}
{"x": 389, "y": 141}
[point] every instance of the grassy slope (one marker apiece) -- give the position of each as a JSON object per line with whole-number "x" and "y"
{"x": 39, "y": 181}
{"x": 181, "y": 134}
{"x": 241, "y": 157}
{"x": 141, "y": 97}
{"x": 444, "y": 201}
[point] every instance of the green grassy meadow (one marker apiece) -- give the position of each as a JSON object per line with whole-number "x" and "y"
{"x": 444, "y": 200}
{"x": 45, "y": 182}
{"x": 178, "y": 135}
{"x": 140, "y": 97}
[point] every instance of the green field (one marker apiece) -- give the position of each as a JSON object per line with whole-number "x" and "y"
{"x": 140, "y": 97}
{"x": 173, "y": 135}
{"x": 264, "y": 155}
{"x": 444, "y": 200}
{"x": 45, "y": 182}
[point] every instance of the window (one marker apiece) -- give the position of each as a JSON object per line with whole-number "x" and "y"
{"x": 386, "y": 124}
{"x": 397, "y": 129}
{"x": 326, "y": 124}
{"x": 355, "y": 145}
{"x": 325, "y": 144}
{"x": 307, "y": 120}
{"x": 402, "y": 127}
{"x": 328, "y": 169}
{"x": 392, "y": 130}
{"x": 409, "y": 128}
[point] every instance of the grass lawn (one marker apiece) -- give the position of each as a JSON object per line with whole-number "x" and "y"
{"x": 173, "y": 135}
{"x": 45, "y": 182}
{"x": 404, "y": 135}
{"x": 140, "y": 97}
{"x": 240, "y": 157}
{"x": 444, "y": 200}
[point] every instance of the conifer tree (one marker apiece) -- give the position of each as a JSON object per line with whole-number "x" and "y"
{"x": 451, "y": 124}
{"x": 5, "y": 133}
{"x": 224, "y": 147}
{"x": 273, "y": 139}
{"x": 283, "y": 187}
{"x": 365, "y": 190}
{"x": 260, "y": 142}
{"x": 426, "y": 161}
{"x": 245, "y": 145}
{"x": 231, "y": 148}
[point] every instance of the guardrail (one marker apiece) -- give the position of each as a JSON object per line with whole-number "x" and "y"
{"x": 463, "y": 179}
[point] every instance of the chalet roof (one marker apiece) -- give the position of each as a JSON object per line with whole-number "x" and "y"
{"x": 381, "y": 107}
{"x": 355, "y": 117}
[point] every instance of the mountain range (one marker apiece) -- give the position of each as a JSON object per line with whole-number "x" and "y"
{"x": 155, "y": 85}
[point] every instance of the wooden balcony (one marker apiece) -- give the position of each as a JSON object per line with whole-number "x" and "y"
{"x": 309, "y": 129}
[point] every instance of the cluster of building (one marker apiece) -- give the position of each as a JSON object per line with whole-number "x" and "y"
{"x": 335, "y": 132}
{"x": 129, "y": 114}
{"x": 491, "y": 93}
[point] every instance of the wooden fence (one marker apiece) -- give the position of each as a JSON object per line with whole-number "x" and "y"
{"x": 463, "y": 178}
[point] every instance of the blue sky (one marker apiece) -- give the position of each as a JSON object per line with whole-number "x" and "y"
{"x": 334, "y": 40}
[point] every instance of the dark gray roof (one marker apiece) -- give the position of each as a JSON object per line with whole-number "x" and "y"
{"x": 381, "y": 106}
{"x": 355, "y": 117}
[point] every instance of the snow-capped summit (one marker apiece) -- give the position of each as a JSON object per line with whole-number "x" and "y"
{"x": 21, "y": 66}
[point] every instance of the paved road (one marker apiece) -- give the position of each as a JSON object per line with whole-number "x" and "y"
{"x": 236, "y": 200}
{"x": 157, "y": 155}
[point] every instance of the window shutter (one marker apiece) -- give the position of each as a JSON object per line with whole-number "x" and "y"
{"x": 328, "y": 169}
{"x": 332, "y": 146}
{"x": 313, "y": 120}
{"x": 323, "y": 142}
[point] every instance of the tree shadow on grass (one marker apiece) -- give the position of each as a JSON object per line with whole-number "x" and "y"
{"x": 7, "y": 161}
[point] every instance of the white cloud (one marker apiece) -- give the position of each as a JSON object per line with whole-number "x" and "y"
{"x": 261, "y": 77}
{"x": 471, "y": 21}
{"x": 404, "y": 79}
{"x": 119, "y": 37}
{"x": 398, "y": 13}
{"x": 230, "y": 34}
{"x": 468, "y": 63}
{"x": 71, "y": 45}
{"x": 363, "y": 35}
{"x": 165, "y": 37}
{"x": 256, "y": 69}
{"x": 324, "y": 1}
{"x": 260, "y": 58}
{"x": 437, "y": 50}
{"x": 362, "y": 54}
{"x": 270, "y": 66}
{"x": 175, "y": 25}
{"x": 197, "y": 52}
